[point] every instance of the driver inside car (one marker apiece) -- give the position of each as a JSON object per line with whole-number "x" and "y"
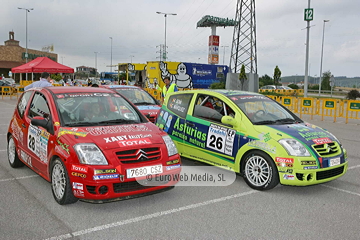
{"x": 96, "y": 113}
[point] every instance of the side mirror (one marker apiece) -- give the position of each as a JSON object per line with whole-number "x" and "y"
{"x": 228, "y": 120}
{"x": 43, "y": 122}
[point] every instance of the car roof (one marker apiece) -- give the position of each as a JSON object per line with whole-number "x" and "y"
{"x": 120, "y": 86}
{"x": 224, "y": 92}
{"x": 57, "y": 90}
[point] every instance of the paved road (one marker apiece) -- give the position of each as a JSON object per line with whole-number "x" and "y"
{"x": 327, "y": 211}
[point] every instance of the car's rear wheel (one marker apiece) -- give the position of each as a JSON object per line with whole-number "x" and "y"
{"x": 13, "y": 157}
{"x": 259, "y": 171}
{"x": 60, "y": 184}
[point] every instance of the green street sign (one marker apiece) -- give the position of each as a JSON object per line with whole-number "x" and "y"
{"x": 354, "y": 106}
{"x": 308, "y": 14}
{"x": 307, "y": 103}
{"x": 287, "y": 101}
{"x": 329, "y": 104}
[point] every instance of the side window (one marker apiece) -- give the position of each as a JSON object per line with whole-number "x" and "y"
{"x": 179, "y": 104}
{"x": 211, "y": 108}
{"x": 23, "y": 103}
{"x": 39, "y": 106}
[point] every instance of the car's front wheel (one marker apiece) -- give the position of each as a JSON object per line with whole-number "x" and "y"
{"x": 259, "y": 171}
{"x": 60, "y": 184}
{"x": 13, "y": 157}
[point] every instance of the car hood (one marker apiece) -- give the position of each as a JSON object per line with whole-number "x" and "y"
{"x": 110, "y": 137}
{"x": 305, "y": 132}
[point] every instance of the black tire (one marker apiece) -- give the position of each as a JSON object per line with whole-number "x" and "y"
{"x": 60, "y": 183}
{"x": 13, "y": 157}
{"x": 259, "y": 171}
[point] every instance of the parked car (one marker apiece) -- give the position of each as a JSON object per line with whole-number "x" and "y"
{"x": 10, "y": 81}
{"x": 90, "y": 143}
{"x": 253, "y": 135}
{"x": 4, "y": 84}
{"x": 274, "y": 87}
{"x": 146, "y": 103}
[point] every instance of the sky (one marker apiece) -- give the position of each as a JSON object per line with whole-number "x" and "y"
{"x": 79, "y": 28}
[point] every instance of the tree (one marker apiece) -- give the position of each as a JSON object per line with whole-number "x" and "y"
{"x": 242, "y": 76}
{"x": 325, "y": 82}
{"x": 265, "y": 80}
{"x": 277, "y": 75}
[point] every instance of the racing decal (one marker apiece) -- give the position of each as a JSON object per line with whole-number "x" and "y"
{"x": 78, "y": 186}
{"x": 308, "y": 163}
{"x": 78, "y": 193}
{"x": 72, "y": 131}
{"x": 319, "y": 141}
{"x": 56, "y": 124}
{"x": 289, "y": 177}
{"x": 134, "y": 142}
{"x": 172, "y": 162}
{"x": 168, "y": 168}
{"x": 311, "y": 167}
{"x": 25, "y": 157}
{"x": 102, "y": 171}
{"x": 115, "y": 139}
{"x": 38, "y": 142}
{"x": 176, "y": 104}
{"x": 148, "y": 108}
{"x": 282, "y": 164}
{"x": 220, "y": 139}
{"x": 74, "y": 95}
{"x": 96, "y": 131}
{"x": 262, "y": 145}
{"x": 16, "y": 131}
{"x": 61, "y": 151}
{"x": 77, "y": 174}
{"x": 78, "y": 168}
{"x": 264, "y": 137}
{"x": 104, "y": 177}
{"x": 284, "y": 160}
{"x": 63, "y": 145}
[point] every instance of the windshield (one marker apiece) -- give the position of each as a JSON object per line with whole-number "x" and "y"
{"x": 262, "y": 110}
{"x": 89, "y": 109}
{"x": 137, "y": 96}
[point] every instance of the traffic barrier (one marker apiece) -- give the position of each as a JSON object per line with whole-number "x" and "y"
{"x": 6, "y": 91}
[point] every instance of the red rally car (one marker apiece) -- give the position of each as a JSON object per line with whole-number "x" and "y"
{"x": 80, "y": 140}
{"x": 146, "y": 103}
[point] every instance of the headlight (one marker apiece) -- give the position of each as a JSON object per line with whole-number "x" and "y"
{"x": 89, "y": 153}
{"x": 170, "y": 145}
{"x": 294, "y": 148}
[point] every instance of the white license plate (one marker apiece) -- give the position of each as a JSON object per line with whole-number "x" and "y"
{"x": 334, "y": 161}
{"x": 143, "y": 171}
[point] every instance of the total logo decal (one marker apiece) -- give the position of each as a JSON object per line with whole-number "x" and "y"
{"x": 284, "y": 160}
{"x": 319, "y": 141}
{"x": 78, "y": 168}
{"x": 140, "y": 141}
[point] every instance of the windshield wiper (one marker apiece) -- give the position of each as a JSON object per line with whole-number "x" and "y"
{"x": 77, "y": 124}
{"x": 265, "y": 122}
{"x": 286, "y": 120}
{"x": 144, "y": 103}
{"x": 120, "y": 120}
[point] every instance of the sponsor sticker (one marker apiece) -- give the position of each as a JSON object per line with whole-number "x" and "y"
{"x": 308, "y": 162}
{"x": 78, "y": 168}
{"x": 139, "y": 141}
{"x": 289, "y": 177}
{"x": 319, "y": 141}
{"x": 104, "y": 177}
{"x": 172, "y": 162}
{"x": 311, "y": 167}
{"x": 77, "y": 174}
{"x": 284, "y": 160}
{"x": 168, "y": 168}
{"x": 78, "y": 186}
{"x": 102, "y": 171}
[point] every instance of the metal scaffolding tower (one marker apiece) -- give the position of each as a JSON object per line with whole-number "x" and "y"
{"x": 243, "y": 49}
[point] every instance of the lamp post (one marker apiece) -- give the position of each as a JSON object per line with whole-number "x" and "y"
{"x": 322, "y": 50}
{"x": 96, "y": 63}
{"x": 165, "y": 15}
{"x": 62, "y": 60}
{"x": 26, "y": 42}
{"x": 131, "y": 56}
{"x": 111, "y": 55}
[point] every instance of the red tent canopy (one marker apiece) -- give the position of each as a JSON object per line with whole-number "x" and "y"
{"x": 42, "y": 64}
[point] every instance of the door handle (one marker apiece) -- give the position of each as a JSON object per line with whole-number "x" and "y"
{"x": 23, "y": 125}
{"x": 190, "y": 124}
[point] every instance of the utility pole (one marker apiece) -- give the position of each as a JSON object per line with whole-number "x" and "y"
{"x": 160, "y": 47}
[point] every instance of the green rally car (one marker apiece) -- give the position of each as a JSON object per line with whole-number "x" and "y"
{"x": 253, "y": 135}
